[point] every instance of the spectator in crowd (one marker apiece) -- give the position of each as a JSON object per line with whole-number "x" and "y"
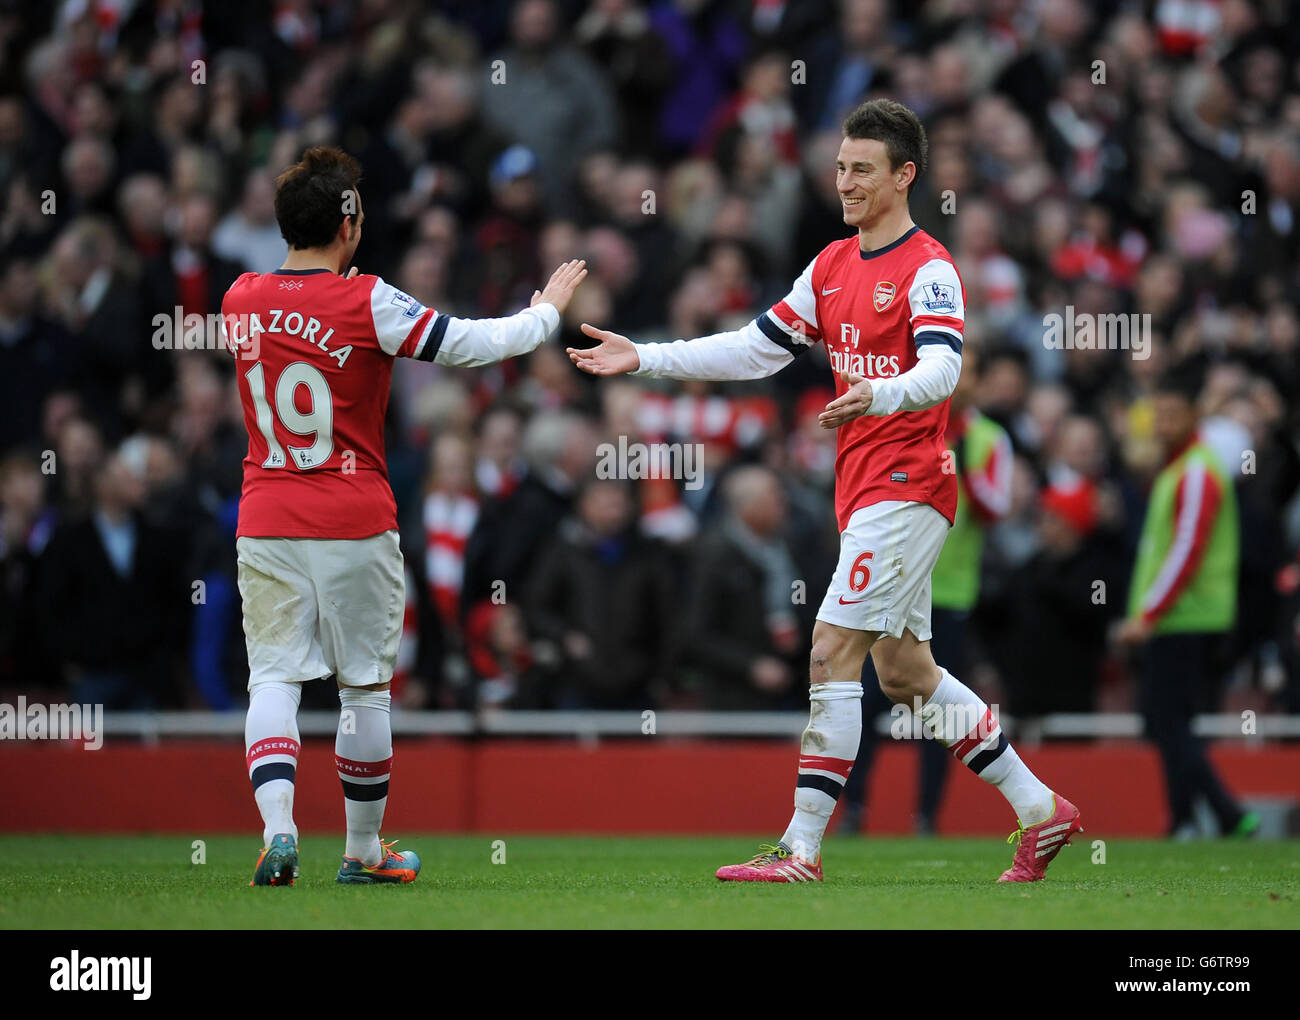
{"x": 143, "y": 205}
{"x": 26, "y": 523}
{"x": 507, "y": 240}
{"x": 191, "y": 275}
{"x": 1061, "y": 604}
{"x": 502, "y": 658}
{"x": 450, "y": 510}
{"x": 498, "y": 464}
{"x": 847, "y": 63}
{"x": 249, "y": 235}
{"x": 617, "y": 35}
{"x": 602, "y": 596}
{"x": 88, "y": 165}
{"x": 30, "y": 365}
{"x": 121, "y": 585}
{"x": 560, "y": 450}
{"x": 542, "y": 93}
{"x": 707, "y": 46}
{"x": 741, "y": 633}
{"x": 78, "y": 450}
{"x": 462, "y": 145}
{"x": 96, "y": 303}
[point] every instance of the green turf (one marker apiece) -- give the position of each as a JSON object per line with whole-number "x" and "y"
{"x": 603, "y": 882}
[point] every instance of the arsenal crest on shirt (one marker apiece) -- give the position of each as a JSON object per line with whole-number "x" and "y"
{"x": 884, "y": 296}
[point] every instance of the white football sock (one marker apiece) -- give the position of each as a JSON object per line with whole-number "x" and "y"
{"x": 826, "y": 754}
{"x": 363, "y": 755}
{"x": 271, "y": 752}
{"x": 958, "y": 717}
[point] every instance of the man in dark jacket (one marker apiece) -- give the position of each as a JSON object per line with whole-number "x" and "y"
{"x": 1061, "y": 611}
{"x": 742, "y": 635}
{"x": 511, "y": 531}
{"x": 603, "y": 596}
{"x": 113, "y": 599}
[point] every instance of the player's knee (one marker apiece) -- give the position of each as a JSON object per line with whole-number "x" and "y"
{"x": 818, "y": 664}
{"x": 825, "y": 650}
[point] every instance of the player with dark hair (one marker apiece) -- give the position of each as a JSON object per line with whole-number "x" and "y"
{"x": 889, "y": 306}
{"x": 320, "y": 569}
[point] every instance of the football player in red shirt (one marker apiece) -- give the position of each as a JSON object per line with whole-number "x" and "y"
{"x": 320, "y": 570}
{"x": 889, "y": 306}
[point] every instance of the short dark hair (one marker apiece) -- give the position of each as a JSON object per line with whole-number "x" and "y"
{"x": 310, "y": 196}
{"x": 885, "y": 120}
{"x": 1184, "y": 379}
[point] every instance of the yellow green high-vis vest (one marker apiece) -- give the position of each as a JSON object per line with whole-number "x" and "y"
{"x": 1209, "y": 601}
{"x": 955, "y": 582}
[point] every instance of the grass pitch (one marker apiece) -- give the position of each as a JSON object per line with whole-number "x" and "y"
{"x": 65, "y": 882}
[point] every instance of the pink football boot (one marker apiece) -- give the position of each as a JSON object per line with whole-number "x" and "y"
{"x": 773, "y": 864}
{"x": 1040, "y": 843}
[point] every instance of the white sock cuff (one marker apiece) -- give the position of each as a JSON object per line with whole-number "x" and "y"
{"x": 279, "y": 688}
{"x": 353, "y": 697}
{"x": 835, "y": 691}
{"x": 946, "y": 691}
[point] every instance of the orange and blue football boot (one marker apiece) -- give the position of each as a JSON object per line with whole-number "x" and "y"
{"x": 1040, "y": 843}
{"x": 278, "y": 863}
{"x": 395, "y": 867}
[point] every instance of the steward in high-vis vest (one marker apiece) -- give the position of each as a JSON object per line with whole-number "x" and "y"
{"x": 1183, "y": 601}
{"x": 982, "y": 458}
{"x": 1186, "y": 574}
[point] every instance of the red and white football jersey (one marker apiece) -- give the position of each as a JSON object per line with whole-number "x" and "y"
{"x": 314, "y": 355}
{"x": 314, "y": 358}
{"x": 874, "y": 310}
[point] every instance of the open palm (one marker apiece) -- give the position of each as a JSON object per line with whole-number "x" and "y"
{"x": 615, "y": 354}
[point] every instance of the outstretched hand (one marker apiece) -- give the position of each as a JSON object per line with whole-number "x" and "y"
{"x": 560, "y": 287}
{"x": 852, "y": 403}
{"x": 615, "y": 355}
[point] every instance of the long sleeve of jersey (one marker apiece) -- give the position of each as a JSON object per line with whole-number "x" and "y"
{"x": 744, "y": 353}
{"x": 758, "y": 349}
{"x": 930, "y": 381}
{"x": 406, "y": 329}
{"x": 468, "y": 343}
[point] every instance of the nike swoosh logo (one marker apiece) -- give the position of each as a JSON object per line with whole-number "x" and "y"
{"x": 832, "y": 290}
{"x": 855, "y": 602}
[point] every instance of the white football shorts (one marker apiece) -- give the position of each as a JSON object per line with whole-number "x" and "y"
{"x": 317, "y": 607}
{"x": 882, "y": 580}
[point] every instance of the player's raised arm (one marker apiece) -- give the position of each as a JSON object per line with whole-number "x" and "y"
{"x": 470, "y": 343}
{"x": 758, "y": 349}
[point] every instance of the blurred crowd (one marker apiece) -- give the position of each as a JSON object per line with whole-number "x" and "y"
{"x": 1114, "y": 157}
